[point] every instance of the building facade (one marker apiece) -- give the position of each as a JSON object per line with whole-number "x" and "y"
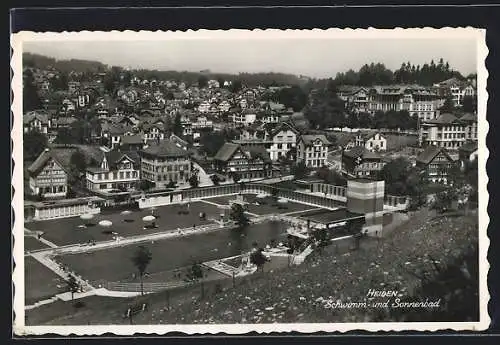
{"x": 436, "y": 163}
{"x": 116, "y": 171}
{"x": 359, "y": 162}
{"x": 372, "y": 141}
{"x": 284, "y": 139}
{"x": 246, "y": 162}
{"x": 312, "y": 150}
{"x": 48, "y": 176}
{"x": 448, "y": 131}
{"x": 164, "y": 162}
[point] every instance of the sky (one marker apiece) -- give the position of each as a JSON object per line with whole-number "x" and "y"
{"x": 317, "y": 58}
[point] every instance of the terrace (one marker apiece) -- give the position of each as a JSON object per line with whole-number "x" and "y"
{"x": 73, "y": 230}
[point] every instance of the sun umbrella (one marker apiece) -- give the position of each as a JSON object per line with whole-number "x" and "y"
{"x": 87, "y": 216}
{"x": 283, "y": 201}
{"x": 105, "y": 223}
{"x": 126, "y": 212}
{"x": 148, "y": 218}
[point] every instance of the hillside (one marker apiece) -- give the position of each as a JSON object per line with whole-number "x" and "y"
{"x": 81, "y": 66}
{"x": 65, "y": 66}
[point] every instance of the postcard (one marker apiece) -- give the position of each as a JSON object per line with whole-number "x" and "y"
{"x": 235, "y": 181}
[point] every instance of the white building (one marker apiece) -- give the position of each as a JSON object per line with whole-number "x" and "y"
{"x": 447, "y": 131}
{"x": 116, "y": 171}
{"x": 245, "y": 117}
{"x": 284, "y": 138}
{"x": 312, "y": 150}
{"x": 371, "y": 140}
{"x": 204, "y": 107}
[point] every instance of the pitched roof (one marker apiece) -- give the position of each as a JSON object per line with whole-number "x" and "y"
{"x": 429, "y": 154}
{"x": 368, "y": 134}
{"x": 280, "y": 127}
{"x": 61, "y": 156}
{"x": 61, "y": 121}
{"x": 445, "y": 118}
{"x": 257, "y": 152}
{"x": 361, "y": 151}
{"x": 308, "y": 139}
{"x": 132, "y": 139}
{"x": 344, "y": 138}
{"x": 43, "y": 118}
{"x": 469, "y": 147}
{"x": 226, "y": 151}
{"x": 165, "y": 148}
{"x": 468, "y": 117}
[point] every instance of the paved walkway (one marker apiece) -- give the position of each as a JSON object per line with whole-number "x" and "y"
{"x": 204, "y": 177}
{"x": 302, "y": 211}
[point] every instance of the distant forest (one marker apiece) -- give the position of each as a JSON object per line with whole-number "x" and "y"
{"x": 377, "y": 74}
{"x": 84, "y": 66}
{"x": 367, "y": 75}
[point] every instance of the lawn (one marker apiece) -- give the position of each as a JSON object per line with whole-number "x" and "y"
{"x": 31, "y": 243}
{"x": 266, "y": 205}
{"x": 39, "y": 282}
{"x": 115, "y": 264}
{"x": 67, "y": 231}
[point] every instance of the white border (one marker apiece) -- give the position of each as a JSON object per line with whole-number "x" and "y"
{"x": 17, "y": 40}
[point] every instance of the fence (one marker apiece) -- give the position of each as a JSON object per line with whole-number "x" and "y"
{"x": 147, "y": 287}
{"x": 166, "y": 198}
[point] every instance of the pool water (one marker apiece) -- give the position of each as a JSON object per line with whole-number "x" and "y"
{"x": 115, "y": 264}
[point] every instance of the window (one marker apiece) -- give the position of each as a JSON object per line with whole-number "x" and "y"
{"x": 103, "y": 186}
{"x": 128, "y": 174}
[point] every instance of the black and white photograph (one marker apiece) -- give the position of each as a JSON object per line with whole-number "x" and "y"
{"x": 238, "y": 181}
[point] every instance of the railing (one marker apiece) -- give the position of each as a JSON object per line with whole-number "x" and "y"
{"x": 172, "y": 197}
{"x": 147, "y": 287}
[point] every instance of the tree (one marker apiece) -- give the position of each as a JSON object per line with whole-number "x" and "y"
{"x": 60, "y": 83}
{"x": 215, "y": 179}
{"x": 195, "y": 274}
{"x": 177, "y": 128}
{"x": 211, "y": 142}
{"x": 202, "y": 81}
{"x": 145, "y": 185}
{"x": 235, "y": 86}
{"x": 31, "y": 99}
{"x": 141, "y": 260}
{"x": 77, "y": 165}
{"x": 395, "y": 175}
{"x": 326, "y": 109}
{"x": 238, "y": 215}
{"x": 444, "y": 200}
{"x": 331, "y": 176}
{"x": 299, "y": 170}
{"x": 193, "y": 181}
{"x": 221, "y": 82}
{"x": 469, "y": 104}
{"x": 171, "y": 184}
{"x": 448, "y": 106}
{"x": 258, "y": 258}
{"x": 292, "y": 97}
{"x": 236, "y": 177}
{"x": 34, "y": 143}
{"x": 73, "y": 285}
